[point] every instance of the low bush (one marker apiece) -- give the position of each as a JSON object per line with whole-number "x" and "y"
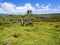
{"x": 57, "y": 26}
{"x": 1, "y": 28}
{"x": 4, "y": 22}
{"x": 16, "y": 35}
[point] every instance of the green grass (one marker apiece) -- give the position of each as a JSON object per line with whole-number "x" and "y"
{"x": 40, "y": 33}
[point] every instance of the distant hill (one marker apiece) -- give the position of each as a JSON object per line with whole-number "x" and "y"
{"x": 33, "y": 14}
{"x": 4, "y": 14}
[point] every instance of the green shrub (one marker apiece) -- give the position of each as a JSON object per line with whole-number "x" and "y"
{"x": 4, "y": 22}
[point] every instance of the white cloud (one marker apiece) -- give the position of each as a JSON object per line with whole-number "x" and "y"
{"x": 7, "y": 5}
{"x": 29, "y": 7}
{"x": 45, "y": 8}
{"x": 25, "y": 8}
{"x": 11, "y": 8}
{"x": 37, "y": 4}
{"x": 42, "y": 7}
{"x": 7, "y": 8}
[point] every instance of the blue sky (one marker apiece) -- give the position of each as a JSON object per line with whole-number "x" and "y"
{"x": 37, "y": 6}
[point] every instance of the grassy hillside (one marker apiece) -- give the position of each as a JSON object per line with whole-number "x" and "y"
{"x": 39, "y": 33}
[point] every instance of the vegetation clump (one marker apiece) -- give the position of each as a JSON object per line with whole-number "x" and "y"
{"x": 16, "y": 35}
{"x": 57, "y": 26}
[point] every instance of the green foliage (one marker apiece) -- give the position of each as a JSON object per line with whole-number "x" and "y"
{"x": 3, "y": 22}
{"x": 39, "y": 33}
{"x": 42, "y": 33}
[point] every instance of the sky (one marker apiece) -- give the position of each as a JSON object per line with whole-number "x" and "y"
{"x": 37, "y": 6}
